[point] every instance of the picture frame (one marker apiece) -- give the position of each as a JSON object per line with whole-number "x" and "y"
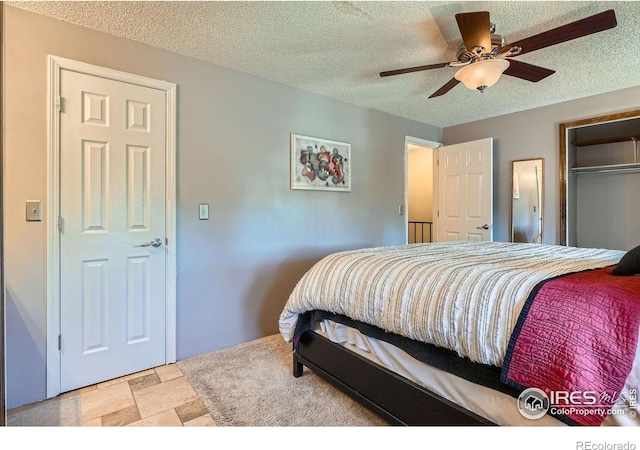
{"x": 319, "y": 164}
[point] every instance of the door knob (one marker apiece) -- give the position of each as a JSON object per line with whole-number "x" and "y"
{"x": 155, "y": 242}
{"x": 483, "y": 227}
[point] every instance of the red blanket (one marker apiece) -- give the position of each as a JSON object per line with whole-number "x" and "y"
{"x": 577, "y": 333}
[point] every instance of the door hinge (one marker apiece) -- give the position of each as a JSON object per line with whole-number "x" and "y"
{"x": 59, "y": 342}
{"x": 59, "y": 104}
{"x": 59, "y": 223}
{"x": 166, "y": 241}
{"x": 438, "y": 213}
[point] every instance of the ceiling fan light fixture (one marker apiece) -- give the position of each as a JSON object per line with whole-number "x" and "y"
{"x": 482, "y": 74}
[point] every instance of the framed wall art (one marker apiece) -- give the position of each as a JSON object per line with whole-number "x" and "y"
{"x": 320, "y": 164}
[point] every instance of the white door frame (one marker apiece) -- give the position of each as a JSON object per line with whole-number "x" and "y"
{"x": 423, "y": 143}
{"x": 55, "y": 66}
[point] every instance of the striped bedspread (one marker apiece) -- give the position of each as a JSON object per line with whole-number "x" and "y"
{"x": 464, "y": 296}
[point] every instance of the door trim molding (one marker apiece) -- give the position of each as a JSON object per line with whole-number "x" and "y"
{"x": 55, "y": 65}
{"x": 408, "y": 140}
{"x": 3, "y": 389}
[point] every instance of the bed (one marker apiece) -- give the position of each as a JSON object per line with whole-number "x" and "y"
{"x": 459, "y": 333}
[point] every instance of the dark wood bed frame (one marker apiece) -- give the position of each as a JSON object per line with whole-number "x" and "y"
{"x": 393, "y": 397}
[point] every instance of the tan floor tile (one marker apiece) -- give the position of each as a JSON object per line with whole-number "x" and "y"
{"x": 164, "y": 419}
{"x": 125, "y": 378}
{"x": 78, "y": 391}
{"x": 168, "y": 372}
{"x": 143, "y": 382}
{"x": 97, "y": 422}
{"x": 164, "y": 396}
{"x": 202, "y": 421}
{"x": 121, "y": 418}
{"x": 104, "y": 401}
{"x": 191, "y": 410}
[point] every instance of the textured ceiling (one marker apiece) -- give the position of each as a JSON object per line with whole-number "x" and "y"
{"x": 338, "y": 49}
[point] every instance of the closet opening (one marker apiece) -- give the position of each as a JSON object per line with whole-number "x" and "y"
{"x": 599, "y": 181}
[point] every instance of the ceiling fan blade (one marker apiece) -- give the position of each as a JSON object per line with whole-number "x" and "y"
{"x": 475, "y": 28}
{"x": 527, "y": 71}
{"x": 583, "y": 27}
{"x": 413, "y": 69}
{"x": 446, "y": 88}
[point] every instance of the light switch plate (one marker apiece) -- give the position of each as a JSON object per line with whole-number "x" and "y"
{"x": 34, "y": 210}
{"x": 204, "y": 211}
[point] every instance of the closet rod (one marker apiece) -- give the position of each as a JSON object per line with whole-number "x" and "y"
{"x": 618, "y": 168}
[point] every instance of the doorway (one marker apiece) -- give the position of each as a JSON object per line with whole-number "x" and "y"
{"x": 420, "y": 189}
{"x": 111, "y": 294}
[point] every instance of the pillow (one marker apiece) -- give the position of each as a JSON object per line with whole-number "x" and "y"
{"x": 629, "y": 265}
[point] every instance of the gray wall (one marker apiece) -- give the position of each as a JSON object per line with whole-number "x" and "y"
{"x": 236, "y": 270}
{"x": 535, "y": 134}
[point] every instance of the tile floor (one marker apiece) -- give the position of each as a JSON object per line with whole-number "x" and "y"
{"x": 154, "y": 397}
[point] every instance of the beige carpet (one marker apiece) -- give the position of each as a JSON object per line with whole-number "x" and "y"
{"x": 251, "y": 385}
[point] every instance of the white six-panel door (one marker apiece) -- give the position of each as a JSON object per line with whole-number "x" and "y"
{"x": 465, "y": 191}
{"x": 112, "y": 201}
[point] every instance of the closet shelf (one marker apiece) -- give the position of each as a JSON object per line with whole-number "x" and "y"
{"x": 617, "y": 168}
{"x": 607, "y": 140}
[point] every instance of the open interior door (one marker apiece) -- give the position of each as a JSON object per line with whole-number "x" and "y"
{"x": 465, "y": 191}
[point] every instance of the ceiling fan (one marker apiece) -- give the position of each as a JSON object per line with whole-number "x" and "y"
{"x": 484, "y": 56}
